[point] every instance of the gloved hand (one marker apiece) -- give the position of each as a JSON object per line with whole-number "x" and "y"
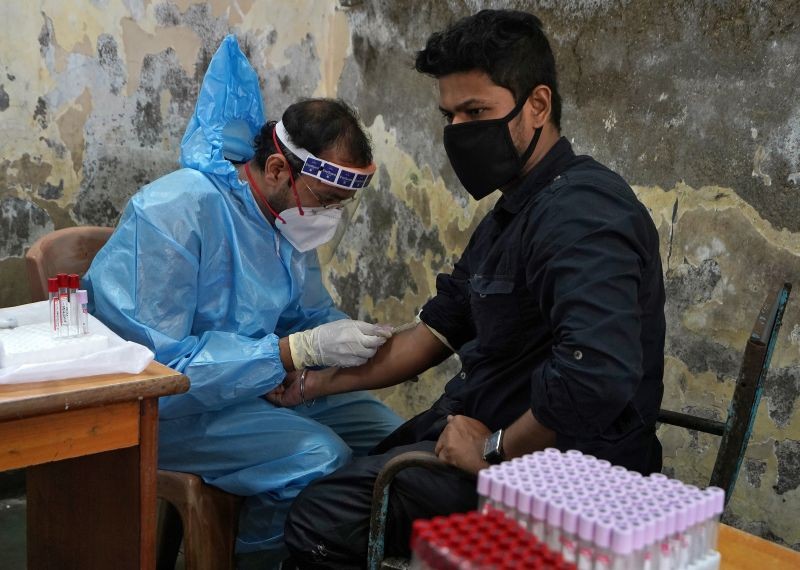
{"x": 340, "y": 343}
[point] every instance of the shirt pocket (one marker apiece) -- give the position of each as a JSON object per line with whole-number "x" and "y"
{"x": 499, "y": 325}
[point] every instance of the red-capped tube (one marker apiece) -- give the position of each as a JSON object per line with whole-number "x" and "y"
{"x": 53, "y": 306}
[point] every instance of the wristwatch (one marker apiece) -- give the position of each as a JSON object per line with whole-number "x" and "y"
{"x": 493, "y": 448}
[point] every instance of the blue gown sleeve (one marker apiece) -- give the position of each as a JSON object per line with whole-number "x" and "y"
{"x": 143, "y": 285}
{"x": 315, "y": 306}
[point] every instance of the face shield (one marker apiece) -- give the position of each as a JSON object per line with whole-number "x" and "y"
{"x": 332, "y": 174}
{"x": 326, "y": 251}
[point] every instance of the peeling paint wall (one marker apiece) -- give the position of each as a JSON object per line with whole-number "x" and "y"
{"x": 696, "y": 104}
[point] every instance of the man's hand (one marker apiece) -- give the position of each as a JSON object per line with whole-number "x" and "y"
{"x": 461, "y": 443}
{"x": 287, "y": 394}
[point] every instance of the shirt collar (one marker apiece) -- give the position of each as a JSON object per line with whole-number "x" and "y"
{"x": 546, "y": 170}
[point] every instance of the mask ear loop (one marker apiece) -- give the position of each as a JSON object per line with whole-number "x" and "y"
{"x": 291, "y": 176}
{"x": 532, "y": 146}
{"x": 261, "y": 196}
{"x": 527, "y": 154}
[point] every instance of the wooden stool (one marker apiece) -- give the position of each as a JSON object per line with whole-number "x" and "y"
{"x": 209, "y": 517}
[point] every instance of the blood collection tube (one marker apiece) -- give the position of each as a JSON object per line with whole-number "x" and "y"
{"x": 83, "y": 312}
{"x": 484, "y": 487}
{"x": 63, "y": 303}
{"x": 53, "y": 306}
{"x": 74, "y": 283}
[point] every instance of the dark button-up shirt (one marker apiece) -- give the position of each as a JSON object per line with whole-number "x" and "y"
{"x": 557, "y": 305}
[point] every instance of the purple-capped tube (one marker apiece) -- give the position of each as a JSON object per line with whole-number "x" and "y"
{"x": 569, "y": 533}
{"x": 602, "y": 464}
{"x": 82, "y": 312}
{"x": 586, "y": 522}
{"x": 666, "y": 556}
{"x": 622, "y": 541}
{"x": 706, "y": 530}
{"x": 679, "y": 542}
{"x": 538, "y": 514}
{"x": 496, "y": 491}
{"x": 649, "y": 552}
{"x": 484, "y": 487}
{"x": 555, "y": 512}
{"x": 509, "y": 502}
{"x": 717, "y": 505}
{"x": 694, "y": 506}
{"x": 639, "y": 529}
{"x": 524, "y": 506}
{"x": 602, "y": 544}
{"x": 703, "y": 506}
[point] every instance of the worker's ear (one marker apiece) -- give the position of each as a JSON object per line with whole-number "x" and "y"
{"x": 276, "y": 167}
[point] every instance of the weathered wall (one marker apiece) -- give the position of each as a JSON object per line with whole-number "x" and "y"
{"x": 696, "y": 104}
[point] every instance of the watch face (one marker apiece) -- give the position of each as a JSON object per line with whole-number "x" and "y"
{"x": 494, "y": 439}
{"x": 491, "y": 450}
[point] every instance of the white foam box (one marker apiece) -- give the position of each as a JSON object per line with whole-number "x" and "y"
{"x": 34, "y": 344}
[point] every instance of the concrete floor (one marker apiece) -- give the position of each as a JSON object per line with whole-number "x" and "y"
{"x": 12, "y": 533}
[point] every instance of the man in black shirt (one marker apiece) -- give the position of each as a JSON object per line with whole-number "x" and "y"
{"x": 555, "y": 307}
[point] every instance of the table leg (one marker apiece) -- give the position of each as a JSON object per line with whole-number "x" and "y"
{"x": 96, "y": 511}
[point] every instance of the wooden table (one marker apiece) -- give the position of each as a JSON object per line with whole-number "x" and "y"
{"x": 743, "y": 551}
{"x": 90, "y": 449}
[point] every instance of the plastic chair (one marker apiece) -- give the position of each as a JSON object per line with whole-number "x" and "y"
{"x": 206, "y": 517}
{"x": 380, "y": 505}
{"x": 735, "y": 431}
{"x": 70, "y": 250}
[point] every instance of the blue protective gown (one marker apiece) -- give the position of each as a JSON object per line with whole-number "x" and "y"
{"x": 195, "y": 272}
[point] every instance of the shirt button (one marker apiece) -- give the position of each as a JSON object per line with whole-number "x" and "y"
{"x": 482, "y": 295}
{"x": 463, "y": 375}
{"x": 577, "y": 354}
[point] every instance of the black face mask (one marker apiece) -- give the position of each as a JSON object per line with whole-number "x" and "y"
{"x": 483, "y": 154}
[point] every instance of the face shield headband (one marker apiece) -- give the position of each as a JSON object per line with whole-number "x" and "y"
{"x": 332, "y": 174}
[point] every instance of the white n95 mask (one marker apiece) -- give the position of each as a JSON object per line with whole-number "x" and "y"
{"x": 309, "y": 231}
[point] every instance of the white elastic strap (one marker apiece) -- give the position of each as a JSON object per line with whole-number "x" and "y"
{"x": 325, "y": 170}
{"x": 284, "y": 137}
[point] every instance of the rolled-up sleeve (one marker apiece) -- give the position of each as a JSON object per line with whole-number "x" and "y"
{"x": 590, "y": 278}
{"x": 449, "y": 313}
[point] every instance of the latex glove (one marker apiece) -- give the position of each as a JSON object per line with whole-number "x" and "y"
{"x": 340, "y": 343}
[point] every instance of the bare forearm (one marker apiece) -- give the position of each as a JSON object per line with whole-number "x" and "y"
{"x": 285, "y": 354}
{"x": 526, "y": 435}
{"x": 402, "y": 357}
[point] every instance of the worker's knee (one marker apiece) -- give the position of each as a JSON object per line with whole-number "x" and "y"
{"x": 326, "y": 450}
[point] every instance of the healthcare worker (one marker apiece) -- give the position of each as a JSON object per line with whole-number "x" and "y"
{"x": 213, "y": 267}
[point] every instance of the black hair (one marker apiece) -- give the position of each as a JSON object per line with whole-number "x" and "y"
{"x": 317, "y": 125}
{"x": 508, "y": 45}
